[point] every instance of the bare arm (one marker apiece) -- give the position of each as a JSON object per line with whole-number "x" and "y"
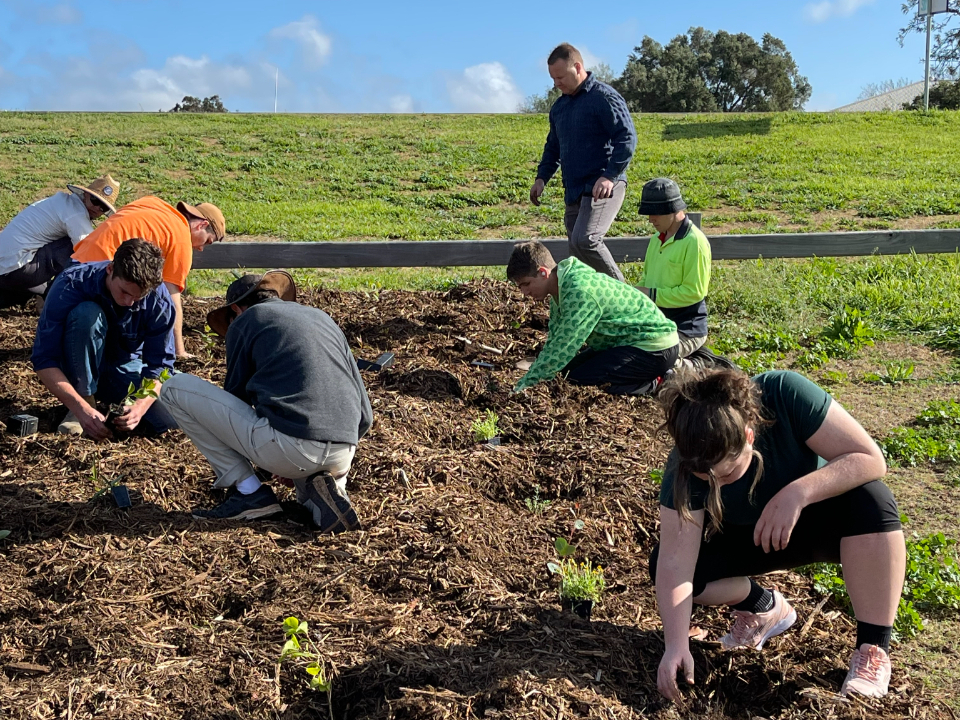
{"x": 679, "y": 548}
{"x": 853, "y": 459}
{"x": 181, "y": 349}
{"x": 91, "y": 420}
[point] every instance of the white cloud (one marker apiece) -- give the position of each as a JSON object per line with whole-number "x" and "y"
{"x": 590, "y": 61}
{"x": 315, "y": 47}
{"x": 401, "y": 104}
{"x": 484, "y": 88}
{"x": 822, "y": 11}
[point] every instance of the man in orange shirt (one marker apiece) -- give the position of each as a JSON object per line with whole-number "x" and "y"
{"x": 179, "y": 232}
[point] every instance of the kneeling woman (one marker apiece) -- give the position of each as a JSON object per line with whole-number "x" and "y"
{"x": 745, "y": 492}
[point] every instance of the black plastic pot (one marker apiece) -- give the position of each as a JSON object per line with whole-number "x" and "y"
{"x": 582, "y": 608}
{"x": 494, "y": 441}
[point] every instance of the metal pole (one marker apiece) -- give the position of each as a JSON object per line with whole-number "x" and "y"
{"x": 926, "y": 73}
{"x": 276, "y": 82}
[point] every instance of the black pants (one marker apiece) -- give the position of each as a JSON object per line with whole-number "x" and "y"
{"x": 623, "y": 370}
{"x": 32, "y": 279}
{"x": 816, "y": 537}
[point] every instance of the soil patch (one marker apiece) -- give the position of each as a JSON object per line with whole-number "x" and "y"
{"x": 441, "y": 607}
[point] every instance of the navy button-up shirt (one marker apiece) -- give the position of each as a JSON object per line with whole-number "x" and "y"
{"x": 143, "y": 331}
{"x": 591, "y": 136}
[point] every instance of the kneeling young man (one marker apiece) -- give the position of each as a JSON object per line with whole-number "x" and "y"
{"x": 104, "y": 326}
{"x": 630, "y": 344}
{"x": 293, "y": 404}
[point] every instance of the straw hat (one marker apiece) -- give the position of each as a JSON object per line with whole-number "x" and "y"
{"x": 279, "y": 280}
{"x": 105, "y": 189}
{"x": 209, "y": 212}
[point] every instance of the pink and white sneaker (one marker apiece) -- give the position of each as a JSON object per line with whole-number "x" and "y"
{"x": 869, "y": 673}
{"x": 752, "y": 630}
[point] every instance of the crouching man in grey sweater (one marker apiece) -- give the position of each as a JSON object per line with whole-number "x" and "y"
{"x": 293, "y": 404}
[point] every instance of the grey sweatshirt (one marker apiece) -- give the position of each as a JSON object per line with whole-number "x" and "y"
{"x": 292, "y": 363}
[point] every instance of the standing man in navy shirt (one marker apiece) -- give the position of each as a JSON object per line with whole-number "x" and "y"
{"x": 106, "y": 325}
{"x": 592, "y": 138}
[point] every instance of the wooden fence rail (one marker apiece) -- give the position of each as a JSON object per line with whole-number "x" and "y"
{"x": 451, "y": 253}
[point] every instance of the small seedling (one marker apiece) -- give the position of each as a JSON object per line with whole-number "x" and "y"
{"x": 147, "y": 389}
{"x": 301, "y": 649}
{"x": 582, "y": 581}
{"x": 102, "y": 485}
{"x": 485, "y": 428}
{"x": 894, "y": 372}
{"x": 656, "y": 476}
{"x": 536, "y": 504}
{"x": 4, "y": 534}
{"x": 209, "y": 338}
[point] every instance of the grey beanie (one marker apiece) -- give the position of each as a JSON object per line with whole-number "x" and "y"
{"x": 661, "y": 196}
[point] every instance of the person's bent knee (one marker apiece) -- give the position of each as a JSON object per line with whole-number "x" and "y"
{"x": 868, "y": 509}
{"x": 86, "y": 316}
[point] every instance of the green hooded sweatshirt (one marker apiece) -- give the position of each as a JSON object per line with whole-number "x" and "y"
{"x": 603, "y": 313}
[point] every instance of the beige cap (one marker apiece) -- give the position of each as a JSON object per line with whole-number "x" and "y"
{"x": 209, "y": 212}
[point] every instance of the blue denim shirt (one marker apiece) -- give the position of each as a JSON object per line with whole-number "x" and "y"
{"x": 591, "y": 136}
{"x": 143, "y": 331}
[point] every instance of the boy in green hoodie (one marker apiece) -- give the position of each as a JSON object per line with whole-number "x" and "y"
{"x": 630, "y": 343}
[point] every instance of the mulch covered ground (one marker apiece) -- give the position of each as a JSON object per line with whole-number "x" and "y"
{"x": 441, "y": 607}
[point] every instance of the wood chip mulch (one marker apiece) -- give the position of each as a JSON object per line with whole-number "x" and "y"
{"x": 441, "y": 607}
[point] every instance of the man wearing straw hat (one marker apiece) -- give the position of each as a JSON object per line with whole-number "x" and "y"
{"x": 36, "y": 245}
{"x": 179, "y": 232}
{"x": 292, "y": 403}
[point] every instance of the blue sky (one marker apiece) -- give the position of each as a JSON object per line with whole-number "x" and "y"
{"x": 376, "y": 56}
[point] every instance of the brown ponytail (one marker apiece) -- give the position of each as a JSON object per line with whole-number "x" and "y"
{"x": 707, "y": 414}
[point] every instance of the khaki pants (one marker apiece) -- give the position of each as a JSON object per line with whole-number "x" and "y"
{"x": 233, "y": 438}
{"x": 690, "y": 345}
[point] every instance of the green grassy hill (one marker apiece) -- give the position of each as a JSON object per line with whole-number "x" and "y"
{"x": 324, "y": 177}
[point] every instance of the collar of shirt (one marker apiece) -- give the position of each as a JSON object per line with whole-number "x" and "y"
{"x": 680, "y": 234}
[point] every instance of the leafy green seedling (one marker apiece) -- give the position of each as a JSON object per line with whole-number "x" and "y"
{"x": 536, "y": 504}
{"x": 300, "y": 648}
{"x": 147, "y": 389}
{"x": 894, "y": 372}
{"x": 4, "y": 534}
{"x": 656, "y": 476}
{"x": 578, "y": 581}
{"x": 485, "y": 428}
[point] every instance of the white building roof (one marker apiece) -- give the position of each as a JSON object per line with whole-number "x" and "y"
{"x": 892, "y": 100}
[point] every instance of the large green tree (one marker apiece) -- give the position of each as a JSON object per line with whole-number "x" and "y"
{"x": 710, "y": 72}
{"x": 945, "y": 38}
{"x": 944, "y": 95}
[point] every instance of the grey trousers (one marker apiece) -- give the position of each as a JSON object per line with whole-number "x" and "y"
{"x": 690, "y": 345}
{"x": 231, "y": 436}
{"x": 587, "y": 222}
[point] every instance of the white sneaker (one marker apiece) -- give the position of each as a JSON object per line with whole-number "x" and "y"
{"x": 70, "y": 425}
{"x": 869, "y": 673}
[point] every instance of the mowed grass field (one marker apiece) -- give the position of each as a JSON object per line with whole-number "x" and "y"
{"x": 429, "y": 177}
{"x": 882, "y": 334}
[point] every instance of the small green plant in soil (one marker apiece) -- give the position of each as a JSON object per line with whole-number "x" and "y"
{"x": 933, "y": 438}
{"x": 4, "y": 534}
{"x": 894, "y": 372}
{"x": 848, "y": 328}
{"x": 578, "y": 581}
{"x": 932, "y": 583}
{"x": 485, "y": 427}
{"x": 300, "y": 649}
{"x": 656, "y": 476}
{"x": 101, "y": 485}
{"x": 148, "y": 388}
{"x": 536, "y": 504}
{"x": 209, "y": 338}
